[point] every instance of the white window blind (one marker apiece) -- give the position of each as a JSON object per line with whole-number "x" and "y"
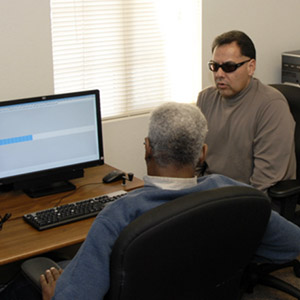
{"x": 138, "y": 53}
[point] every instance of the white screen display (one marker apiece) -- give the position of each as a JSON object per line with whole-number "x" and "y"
{"x": 47, "y": 134}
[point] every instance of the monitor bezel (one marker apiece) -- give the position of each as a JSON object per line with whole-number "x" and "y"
{"x": 21, "y": 181}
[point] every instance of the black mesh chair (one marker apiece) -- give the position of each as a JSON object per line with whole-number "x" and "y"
{"x": 194, "y": 247}
{"x": 286, "y": 193}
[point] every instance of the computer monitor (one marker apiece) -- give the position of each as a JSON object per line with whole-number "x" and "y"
{"x": 46, "y": 141}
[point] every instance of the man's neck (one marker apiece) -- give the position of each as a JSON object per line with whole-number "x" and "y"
{"x": 171, "y": 171}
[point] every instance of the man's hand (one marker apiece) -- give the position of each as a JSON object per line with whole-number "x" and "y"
{"x": 48, "y": 282}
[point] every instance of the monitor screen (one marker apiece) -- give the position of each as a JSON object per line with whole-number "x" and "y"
{"x": 44, "y": 141}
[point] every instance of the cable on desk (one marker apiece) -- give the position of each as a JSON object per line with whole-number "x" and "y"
{"x": 74, "y": 191}
{"x": 4, "y": 219}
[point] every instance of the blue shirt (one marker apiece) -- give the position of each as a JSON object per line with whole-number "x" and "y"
{"x": 87, "y": 275}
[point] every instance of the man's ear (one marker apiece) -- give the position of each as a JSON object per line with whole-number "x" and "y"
{"x": 251, "y": 67}
{"x": 148, "y": 149}
{"x": 203, "y": 154}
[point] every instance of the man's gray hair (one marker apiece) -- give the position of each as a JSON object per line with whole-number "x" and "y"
{"x": 176, "y": 133}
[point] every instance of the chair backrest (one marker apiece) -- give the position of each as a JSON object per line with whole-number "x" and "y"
{"x": 292, "y": 94}
{"x": 194, "y": 247}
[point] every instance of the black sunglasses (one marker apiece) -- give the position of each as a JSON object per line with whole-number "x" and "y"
{"x": 227, "y": 67}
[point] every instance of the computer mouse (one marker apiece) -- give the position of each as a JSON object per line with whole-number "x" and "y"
{"x": 113, "y": 176}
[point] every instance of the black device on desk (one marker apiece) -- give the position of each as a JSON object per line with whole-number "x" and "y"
{"x": 113, "y": 176}
{"x": 47, "y": 140}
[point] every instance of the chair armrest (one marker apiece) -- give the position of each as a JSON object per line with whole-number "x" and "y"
{"x": 33, "y": 268}
{"x": 284, "y": 189}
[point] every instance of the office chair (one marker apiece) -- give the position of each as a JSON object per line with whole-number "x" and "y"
{"x": 194, "y": 247}
{"x": 260, "y": 274}
{"x": 286, "y": 193}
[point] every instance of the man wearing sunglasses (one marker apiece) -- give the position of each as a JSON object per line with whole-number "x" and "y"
{"x": 251, "y": 129}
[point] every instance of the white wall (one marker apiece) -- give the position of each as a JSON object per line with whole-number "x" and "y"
{"x": 26, "y": 60}
{"x": 123, "y": 143}
{"x": 272, "y": 25}
{"x": 25, "y": 51}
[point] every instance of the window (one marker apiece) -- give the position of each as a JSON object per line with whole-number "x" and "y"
{"x": 138, "y": 53}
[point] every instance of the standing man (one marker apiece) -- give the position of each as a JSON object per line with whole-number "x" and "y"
{"x": 251, "y": 129}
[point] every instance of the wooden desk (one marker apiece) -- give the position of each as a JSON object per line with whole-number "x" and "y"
{"x": 19, "y": 240}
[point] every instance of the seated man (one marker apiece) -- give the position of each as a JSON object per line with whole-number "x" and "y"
{"x": 174, "y": 145}
{"x": 251, "y": 129}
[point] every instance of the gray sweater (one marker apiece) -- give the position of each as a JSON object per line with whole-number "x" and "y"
{"x": 250, "y": 136}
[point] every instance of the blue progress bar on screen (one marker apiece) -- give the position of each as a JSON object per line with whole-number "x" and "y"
{"x": 14, "y": 140}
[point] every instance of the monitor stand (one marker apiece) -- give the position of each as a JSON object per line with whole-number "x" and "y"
{"x": 6, "y": 187}
{"x": 49, "y": 189}
{"x": 48, "y": 184}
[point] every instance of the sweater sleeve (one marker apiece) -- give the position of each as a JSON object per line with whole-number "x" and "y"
{"x": 273, "y": 146}
{"x": 87, "y": 275}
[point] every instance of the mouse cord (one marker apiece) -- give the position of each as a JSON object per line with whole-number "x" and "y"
{"x": 74, "y": 191}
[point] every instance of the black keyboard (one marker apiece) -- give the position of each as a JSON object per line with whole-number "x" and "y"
{"x": 79, "y": 210}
